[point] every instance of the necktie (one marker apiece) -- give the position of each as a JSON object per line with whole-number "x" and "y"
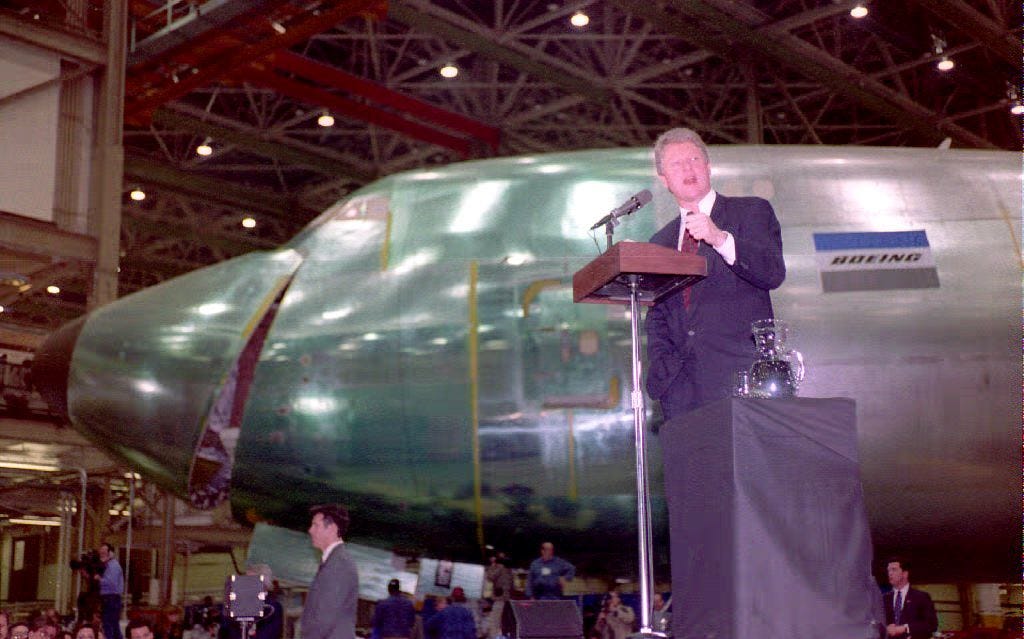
{"x": 897, "y": 607}
{"x": 688, "y": 245}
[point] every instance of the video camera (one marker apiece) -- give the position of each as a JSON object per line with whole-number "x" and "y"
{"x": 90, "y": 562}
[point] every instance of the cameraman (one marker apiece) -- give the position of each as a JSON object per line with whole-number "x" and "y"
{"x": 111, "y": 586}
{"x": 616, "y": 618}
{"x": 88, "y": 566}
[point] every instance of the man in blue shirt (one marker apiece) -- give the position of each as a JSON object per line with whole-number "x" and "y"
{"x": 111, "y": 587}
{"x": 548, "y": 574}
{"x": 454, "y": 621}
{"x": 394, "y": 617}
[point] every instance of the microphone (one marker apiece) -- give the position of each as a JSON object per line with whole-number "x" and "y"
{"x": 634, "y": 203}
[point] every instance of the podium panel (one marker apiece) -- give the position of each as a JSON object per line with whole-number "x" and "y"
{"x": 768, "y": 531}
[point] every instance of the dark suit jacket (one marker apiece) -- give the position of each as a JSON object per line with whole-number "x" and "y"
{"x": 330, "y": 610}
{"x": 693, "y": 353}
{"x": 918, "y": 613}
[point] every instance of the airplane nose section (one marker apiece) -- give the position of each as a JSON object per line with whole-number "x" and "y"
{"x": 52, "y": 364}
{"x": 158, "y": 379}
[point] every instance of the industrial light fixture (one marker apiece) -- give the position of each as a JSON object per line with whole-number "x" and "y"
{"x": 859, "y": 11}
{"x": 1012, "y": 97}
{"x": 204, "y": 149}
{"x": 579, "y": 19}
{"x": 325, "y": 119}
{"x": 449, "y": 71}
{"x": 16, "y": 465}
{"x": 249, "y": 223}
{"x": 939, "y": 44}
{"x": 137, "y": 194}
{"x": 34, "y": 521}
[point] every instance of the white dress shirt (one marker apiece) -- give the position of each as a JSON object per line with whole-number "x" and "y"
{"x": 728, "y": 248}
{"x": 327, "y": 551}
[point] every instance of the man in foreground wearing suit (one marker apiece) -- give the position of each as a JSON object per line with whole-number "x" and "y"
{"x": 330, "y": 610}
{"x": 908, "y": 612}
{"x": 697, "y": 339}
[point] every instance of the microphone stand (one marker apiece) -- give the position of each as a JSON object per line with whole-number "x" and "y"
{"x": 609, "y": 231}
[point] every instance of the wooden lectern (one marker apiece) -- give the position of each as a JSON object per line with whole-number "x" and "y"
{"x": 659, "y": 271}
{"x": 638, "y": 273}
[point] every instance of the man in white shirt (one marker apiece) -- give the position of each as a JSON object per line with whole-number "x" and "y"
{"x": 908, "y": 612}
{"x": 330, "y": 610}
{"x": 699, "y": 337}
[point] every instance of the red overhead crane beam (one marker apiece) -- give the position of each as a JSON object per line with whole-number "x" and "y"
{"x": 142, "y": 106}
{"x": 326, "y": 74}
{"x": 370, "y": 114}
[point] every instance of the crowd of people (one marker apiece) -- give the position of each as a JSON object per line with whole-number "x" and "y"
{"x": 458, "y": 617}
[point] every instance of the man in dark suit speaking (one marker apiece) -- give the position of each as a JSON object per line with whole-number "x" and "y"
{"x": 908, "y": 612}
{"x": 330, "y": 610}
{"x": 697, "y": 338}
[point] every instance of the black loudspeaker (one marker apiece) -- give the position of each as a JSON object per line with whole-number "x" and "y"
{"x": 547, "y": 619}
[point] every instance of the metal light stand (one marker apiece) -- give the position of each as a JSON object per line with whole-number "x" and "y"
{"x": 643, "y": 498}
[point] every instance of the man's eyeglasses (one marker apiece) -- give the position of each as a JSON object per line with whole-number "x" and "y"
{"x": 19, "y": 635}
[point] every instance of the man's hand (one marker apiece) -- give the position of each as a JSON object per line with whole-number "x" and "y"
{"x": 702, "y": 228}
{"x": 894, "y": 631}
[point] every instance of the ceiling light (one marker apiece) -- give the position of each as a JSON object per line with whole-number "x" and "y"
{"x": 449, "y": 71}
{"x": 579, "y": 19}
{"x": 34, "y": 522}
{"x": 325, "y": 120}
{"x": 249, "y": 223}
{"x": 204, "y": 149}
{"x": 138, "y": 195}
{"x": 859, "y": 11}
{"x": 278, "y": 27}
{"x": 1017, "y": 109}
{"x": 52, "y": 289}
{"x": 945, "y": 64}
{"x": 1, "y": 308}
{"x": 16, "y": 465}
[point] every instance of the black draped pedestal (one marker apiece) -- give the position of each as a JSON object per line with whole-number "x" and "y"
{"x": 769, "y": 534}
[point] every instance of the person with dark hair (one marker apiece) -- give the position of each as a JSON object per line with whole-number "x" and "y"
{"x": 909, "y": 612}
{"x": 455, "y": 620}
{"x": 699, "y": 337}
{"x": 140, "y": 628}
{"x": 44, "y": 628}
{"x": 111, "y": 586}
{"x": 498, "y": 575}
{"x": 616, "y": 618}
{"x": 84, "y": 631}
{"x": 395, "y": 616}
{"x": 330, "y": 610}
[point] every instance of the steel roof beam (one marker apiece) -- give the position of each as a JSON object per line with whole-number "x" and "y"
{"x": 489, "y": 44}
{"x": 366, "y": 113}
{"x": 785, "y": 49}
{"x": 249, "y": 141}
{"x": 990, "y": 33}
{"x": 177, "y": 228}
{"x": 326, "y": 74}
{"x": 245, "y": 55}
{"x": 19, "y": 233}
{"x": 222, "y": 191}
{"x": 200, "y": 21}
{"x": 65, "y": 43}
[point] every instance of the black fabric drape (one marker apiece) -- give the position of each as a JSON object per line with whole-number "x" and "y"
{"x": 769, "y": 534}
